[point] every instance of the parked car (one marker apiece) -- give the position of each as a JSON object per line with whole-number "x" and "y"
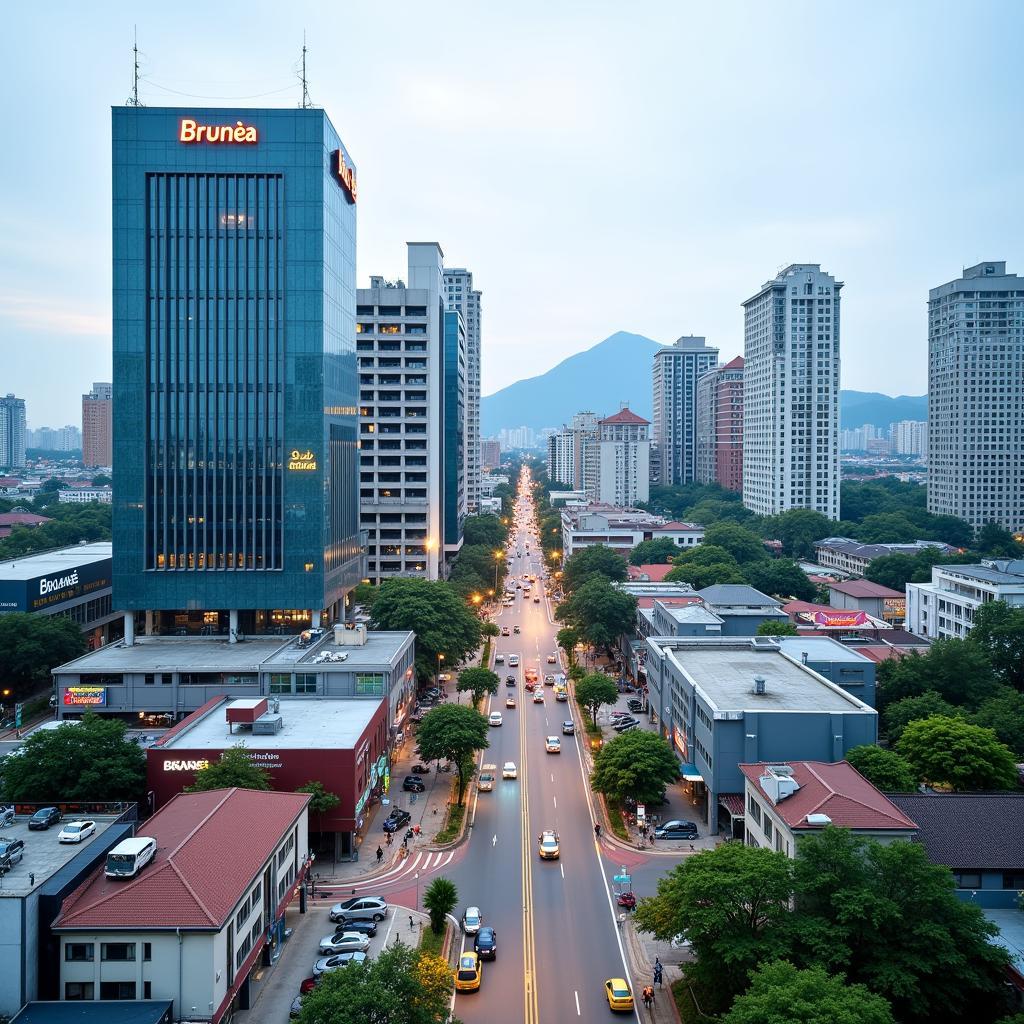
{"x": 331, "y": 963}
{"x": 6, "y": 816}
{"x": 396, "y": 819}
{"x": 76, "y": 831}
{"x": 366, "y": 908}
{"x": 343, "y": 942}
{"x": 11, "y": 851}
{"x": 676, "y": 829}
{"x": 44, "y": 818}
{"x": 363, "y": 927}
{"x": 413, "y": 784}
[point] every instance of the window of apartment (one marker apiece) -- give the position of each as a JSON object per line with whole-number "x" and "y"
{"x": 754, "y": 809}
{"x": 967, "y": 880}
{"x": 78, "y": 990}
{"x": 254, "y": 896}
{"x": 769, "y": 828}
{"x": 147, "y": 990}
{"x": 305, "y": 682}
{"x": 78, "y": 952}
{"x": 117, "y": 990}
{"x": 280, "y": 683}
{"x": 1013, "y": 881}
{"x": 370, "y": 684}
{"x": 147, "y": 951}
{"x": 117, "y": 951}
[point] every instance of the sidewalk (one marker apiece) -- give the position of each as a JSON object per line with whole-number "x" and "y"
{"x": 642, "y": 950}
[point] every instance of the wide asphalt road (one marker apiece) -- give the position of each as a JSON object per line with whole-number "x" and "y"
{"x": 555, "y": 921}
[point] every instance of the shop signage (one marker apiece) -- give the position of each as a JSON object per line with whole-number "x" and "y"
{"x": 78, "y": 696}
{"x": 346, "y": 175}
{"x": 840, "y": 618}
{"x": 186, "y": 766}
{"x": 301, "y": 461}
{"x": 191, "y": 131}
{"x": 48, "y": 584}
{"x": 894, "y": 608}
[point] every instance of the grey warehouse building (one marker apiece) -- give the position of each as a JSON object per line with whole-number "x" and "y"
{"x": 725, "y": 702}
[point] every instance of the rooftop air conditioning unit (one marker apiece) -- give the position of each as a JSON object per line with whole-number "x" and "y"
{"x": 818, "y": 820}
{"x": 778, "y": 782}
{"x": 760, "y": 685}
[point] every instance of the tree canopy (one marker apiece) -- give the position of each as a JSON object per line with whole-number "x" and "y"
{"x": 71, "y": 524}
{"x": 637, "y": 764}
{"x": 777, "y": 628}
{"x": 744, "y": 545}
{"x": 901, "y": 713}
{"x": 1003, "y": 713}
{"x": 780, "y": 578}
{"x": 598, "y": 612}
{"x": 957, "y": 670}
{"x": 87, "y": 760}
{"x": 954, "y": 753}
{"x": 595, "y": 689}
{"x": 433, "y": 610}
{"x": 595, "y": 560}
{"x": 454, "y": 732}
{"x": 998, "y": 629}
{"x": 883, "y": 768}
{"x": 235, "y": 768}
{"x": 477, "y": 681}
{"x": 654, "y": 552}
{"x": 440, "y": 899}
{"x": 32, "y": 645}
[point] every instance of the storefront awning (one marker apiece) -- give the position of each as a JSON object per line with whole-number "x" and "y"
{"x": 690, "y": 774}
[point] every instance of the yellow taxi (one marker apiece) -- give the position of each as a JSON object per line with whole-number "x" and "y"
{"x": 618, "y": 994}
{"x": 548, "y": 845}
{"x": 467, "y": 977}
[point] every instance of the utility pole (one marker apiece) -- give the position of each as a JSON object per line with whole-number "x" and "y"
{"x": 133, "y": 100}
{"x": 305, "y": 82}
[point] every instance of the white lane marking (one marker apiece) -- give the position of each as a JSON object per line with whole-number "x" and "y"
{"x": 391, "y": 924}
{"x": 555, "y": 799}
{"x": 561, "y": 867}
{"x": 494, "y": 839}
{"x": 552, "y": 776}
{"x": 577, "y": 995}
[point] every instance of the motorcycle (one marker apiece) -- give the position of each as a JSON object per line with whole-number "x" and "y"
{"x": 420, "y": 769}
{"x": 627, "y": 900}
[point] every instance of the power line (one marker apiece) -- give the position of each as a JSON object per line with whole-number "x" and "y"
{"x": 201, "y": 96}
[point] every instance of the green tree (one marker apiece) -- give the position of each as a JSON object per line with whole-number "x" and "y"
{"x": 998, "y": 630}
{"x": 596, "y": 560}
{"x": 490, "y": 629}
{"x": 957, "y": 670}
{"x": 700, "y": 576}
{"x": 440, "y": 899}
{"x": 598, "y": 612}
{"x": 780, "y": 578}
{"x": 886, "y": 528}
{"x": 1003, "y": 713}
{"x": 567, "y": 638}
{"x": 322, "y": 801}
{"x": 779, "y": 993}
{"x": 901, "y": 713}
{"x": 798, "y": 529}
{"x": 101, "y": 480}
{"x": 87, "y": 760}
{"x": 777, "y": 628}
{"x": 732, "y": 903}
{"x": 893, "y": 571}
{"x": 484, "y": 530}
{"x": 995, "y": 541}
{"x": 454, "y": 732}
{"x": 637, "y": 764}
{"x": 233, "y": 769}
{"x": 596, "y": 689}
{"x": 707, "y": 554}
{"x": 399, "y": 986}
{"x": 32, "y": 645}
{"x": 951, "y": 752}
{"x": 477, "y": 681}
{"x": 654, "y": 552}
{"x": 743, "y": 544}
{"x": 364, "y": 594}
{"x": 716, "y": 510}
{"x": 883, "y": 768}
{"x": 433, "y": 610}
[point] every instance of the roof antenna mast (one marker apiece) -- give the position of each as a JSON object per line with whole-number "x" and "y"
{"x": 133, "y": 100}
{"x": 305, "y": 82}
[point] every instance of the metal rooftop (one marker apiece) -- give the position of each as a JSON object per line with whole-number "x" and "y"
{"x": 44, "y": 563}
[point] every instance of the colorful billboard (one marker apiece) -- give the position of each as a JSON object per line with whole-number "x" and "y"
{"x": 85, "y": 696}
{"x": 839, "y": 619}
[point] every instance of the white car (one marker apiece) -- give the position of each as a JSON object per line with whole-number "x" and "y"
{"x": 509, "y": 771}
{"x": 513, "y": 661}
{"x": 553, "y": 745}
{"x": 332, "y": 963}
{"x": 76, "y": 831}
{"x": 471, "y": 920}
{"x": 499, "y": 659}
{"x": 495, "y": 718}
{"x": 344, "y": 942}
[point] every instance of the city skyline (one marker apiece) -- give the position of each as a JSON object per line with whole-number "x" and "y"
{"x": 861, "y": 197}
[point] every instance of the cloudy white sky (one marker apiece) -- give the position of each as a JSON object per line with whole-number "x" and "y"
{"x": 599, "y": 166}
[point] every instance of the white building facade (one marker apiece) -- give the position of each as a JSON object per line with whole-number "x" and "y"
{"x": 975, "y": 413}
{"x": 946, "y": 607}
{"x": 791, "y": 393}
{"x": 625, "y": 451}
{"x": 12, "y": 432}
{"x": 460, "y": 295}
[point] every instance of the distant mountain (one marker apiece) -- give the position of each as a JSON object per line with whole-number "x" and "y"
{"x": 859, "y": 407}
{"x": 618, "y": 369}
{"x": 615, "y": 370}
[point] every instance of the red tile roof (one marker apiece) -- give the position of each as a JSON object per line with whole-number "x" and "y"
{"x": 649, "y": 573}
{"x": 734, "y": 364}
{"x": 864, "y": 588}
{"x": 210, "y": 848}
{"x": 647, "y": 601}
{"x": 674, "y": 526}
{"x": 22, "y": 519}
{"x": 837, "y": 790}
{"x": 625, "y": 416}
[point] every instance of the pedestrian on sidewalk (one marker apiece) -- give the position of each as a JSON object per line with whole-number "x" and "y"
{"x": 648, "y": 996}
{"x": 389, "y": 839}
{"x": 412, "y": 924}
{"x": 380, "y": 854}
{"x": 597, "y": 830}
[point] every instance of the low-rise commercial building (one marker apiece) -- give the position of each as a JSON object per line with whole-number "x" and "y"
{"x": 621, "y": 529}
{"x": 838, "y": 663}
{"x": 20, "y": 517}
{"x": 946, "y": 606}
{"x": 742, "y": 609}
{"x": 198, "y": 920}
{"x": 852, "y": 556}
{"x": 726, "y": 702}
{"x": 75, "y": 495}
{"x": 862, "y": 595}
{"x": 786, "y": 802}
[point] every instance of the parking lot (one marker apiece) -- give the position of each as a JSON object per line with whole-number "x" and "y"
{"x": 276, "y": 987}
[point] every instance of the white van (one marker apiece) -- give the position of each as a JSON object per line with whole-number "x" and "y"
{"x": 129, "y": 857}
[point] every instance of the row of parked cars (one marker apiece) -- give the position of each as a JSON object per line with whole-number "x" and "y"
{"x": 12, "y": 849}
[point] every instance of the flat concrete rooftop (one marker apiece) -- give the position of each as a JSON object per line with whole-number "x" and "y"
{"x": 309, "y": 723}
{"x": 27, "y": 567}
{"x": 818, "y": 648}
{"x": 725, "y": 673}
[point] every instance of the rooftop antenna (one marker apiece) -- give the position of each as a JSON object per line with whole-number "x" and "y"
{"x": 133, "y": 100}
{"x": 305, "y": 82}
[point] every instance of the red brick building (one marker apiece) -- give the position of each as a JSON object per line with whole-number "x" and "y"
{"x": 719, "y": 456}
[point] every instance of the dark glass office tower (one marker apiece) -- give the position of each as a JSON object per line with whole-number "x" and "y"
{"x": 234, "y": 369}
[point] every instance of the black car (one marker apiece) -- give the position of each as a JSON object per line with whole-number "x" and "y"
{"x": 625, "y": 723}
{"x": 510, "y": 680}
{"x": 396, "y": 820}
{"x": 485, "y": 943}
{"x": 11, "y": 851}
{"x": 676, "y": 830}
{"x": 413, "y": 784}
{"x": 368, "y": 928}
{"x": 44, "y": 818}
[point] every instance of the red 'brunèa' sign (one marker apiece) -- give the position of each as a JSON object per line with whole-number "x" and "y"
{"x": 346, "y": 175}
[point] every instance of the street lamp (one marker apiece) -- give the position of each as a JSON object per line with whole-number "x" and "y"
{"x": 440, "y": 658}
{"x": 498, "y": 557}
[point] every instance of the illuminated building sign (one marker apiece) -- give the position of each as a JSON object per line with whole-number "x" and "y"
{"x": 302, "y": 462}
{"x": 346, "y": 175}
{"x": 186, "y": 766}
{"x": 85, "y": 696}
{"x": 894, "y": 608}
{"x": 840, "y": 619}
{"x": 190, "y": 131}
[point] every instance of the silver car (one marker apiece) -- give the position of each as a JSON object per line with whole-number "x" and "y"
{"x": 360, "y": 908}
{"x": 332, "y": 963}
{"x": 344, "y": 942}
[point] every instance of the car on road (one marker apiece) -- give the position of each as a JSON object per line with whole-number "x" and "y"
{"x": 396, "y": 819}
{"x": 538, "y": 696}
{"x": 513, "y": 661}
{"x": 485, "y": 945}
{"x": 344, "y": 942}
{"x": 485, "y": 782}
{"x": 510, "y": 680}
{"x": 568, "y": 728}
{"x": 505, "y": 631}
{"x": 561, "y": 693}
{"x": 536, "y": 600}
{"x": 413, "y": 784}
{"x": 515, "y": 629}
{"x": 499, "y": 659}
{"x": 552, "y": 659}
{"x": 6, "y": 816}
{"x": 472, "y": 919}
{"x": 618, "y": 994}
{"x": 552, "y": 745}
{"x": 363, "y": 908}
{"x": 509, "y": 770}
{"x": 510, "y": 702}
{"x": 11, "y": 851}
{"x": 44, "y": 818}
{"x": 331, "y": 963}
{"x": 548, "y": 845}
{"x": 467, "y": 977}
{"x": 76, "y": 831}
{"x": 494, "y": 718}
{"x": 676, "y": 829}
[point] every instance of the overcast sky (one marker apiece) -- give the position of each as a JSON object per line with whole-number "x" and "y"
{"x": 599, "y": 166}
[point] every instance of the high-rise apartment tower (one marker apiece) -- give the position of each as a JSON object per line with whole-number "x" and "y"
{"x": 460, "y": 295}
{"x": 98, "y": 426}
{"x": 720, "y": 426}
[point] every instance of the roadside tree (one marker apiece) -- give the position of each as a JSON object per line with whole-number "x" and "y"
{"x": 598, "y": 612}
{"x": 567, "y": 638}
{"x": 440, "y": 898}
{"x": 477, "y": 681}
{"x": 322, "y": 800}
{"x": 596, "y": 560}
{"x": 453, "y": 732}
{"x": 637, "y": 764}
{"x": 30, "y": 647}
{"x": 596, "y": 689}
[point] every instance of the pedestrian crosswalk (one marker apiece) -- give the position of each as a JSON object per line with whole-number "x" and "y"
{"x": 400, "y": 874}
